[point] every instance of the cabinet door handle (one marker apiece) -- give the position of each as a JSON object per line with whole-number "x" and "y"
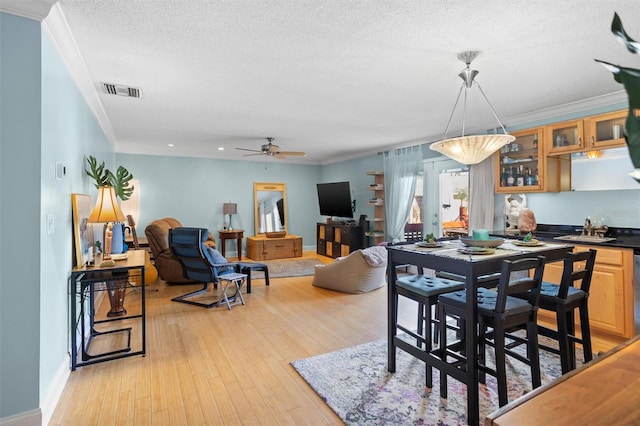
{"x": 593, "y": 141}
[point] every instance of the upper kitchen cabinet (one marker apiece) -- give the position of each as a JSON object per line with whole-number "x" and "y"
{"x": 605, "y": 130}
{"x": 565, "y": 137}
{"x": 522, "y": 165}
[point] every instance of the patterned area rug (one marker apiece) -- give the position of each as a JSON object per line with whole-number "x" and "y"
{"x": 288, "y": 268}
{"x": 355, "y": 383}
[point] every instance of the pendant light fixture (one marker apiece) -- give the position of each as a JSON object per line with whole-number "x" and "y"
{"x": 471, "y": 149}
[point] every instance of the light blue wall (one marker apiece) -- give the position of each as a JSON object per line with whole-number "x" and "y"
{"x": 19, "y": 215}
{"x": 619, "y": 209}
{"x": 193, "y": 190}
{"x": 69, "y": 132}
{"x": 355, "y": 171}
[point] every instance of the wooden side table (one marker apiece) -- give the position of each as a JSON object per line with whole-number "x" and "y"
{"x": 234, "y": 234}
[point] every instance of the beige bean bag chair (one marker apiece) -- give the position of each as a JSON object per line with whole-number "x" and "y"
{"x": 359, "y": 272}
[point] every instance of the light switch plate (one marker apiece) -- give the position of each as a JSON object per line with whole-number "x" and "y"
{"x": 50, "y": 225}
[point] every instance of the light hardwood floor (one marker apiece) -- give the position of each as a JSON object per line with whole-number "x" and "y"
{"x": 214, "y": 366}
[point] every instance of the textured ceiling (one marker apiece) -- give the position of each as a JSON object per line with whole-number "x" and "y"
{"x": 335, "y": 78}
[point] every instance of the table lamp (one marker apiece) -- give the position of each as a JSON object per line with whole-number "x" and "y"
{"x": 230, "y": 208}
{"x": 107, "y": 211}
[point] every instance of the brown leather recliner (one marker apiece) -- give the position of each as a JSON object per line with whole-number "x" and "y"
{"x": 169, "y": 268}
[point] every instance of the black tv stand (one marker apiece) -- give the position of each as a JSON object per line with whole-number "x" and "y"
{"x": 339, "y": 239}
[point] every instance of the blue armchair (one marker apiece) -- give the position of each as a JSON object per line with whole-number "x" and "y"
{"x": 204, "y": 264}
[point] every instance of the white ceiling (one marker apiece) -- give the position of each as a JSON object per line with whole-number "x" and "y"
{"x": 337, "y": 79}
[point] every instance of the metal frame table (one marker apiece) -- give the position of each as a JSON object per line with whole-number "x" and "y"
{"x": 84, "y": 282}
{"x": 447, "y": 259}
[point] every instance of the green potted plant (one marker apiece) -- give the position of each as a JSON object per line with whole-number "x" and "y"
{"x": 120, "y": 182}
{"x": 630, "y": 79}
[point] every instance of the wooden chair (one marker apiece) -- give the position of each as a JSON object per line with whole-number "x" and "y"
{"x": 501, "y": 312}
{"x": 564, "y": 299}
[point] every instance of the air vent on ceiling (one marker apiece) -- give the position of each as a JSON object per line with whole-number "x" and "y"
{"x": 120, "y": 90}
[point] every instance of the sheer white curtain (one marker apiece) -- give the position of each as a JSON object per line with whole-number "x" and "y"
{"x": 481, "y": 195}
{"x": 401, "y": 169}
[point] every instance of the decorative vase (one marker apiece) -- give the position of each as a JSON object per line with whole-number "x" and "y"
{"x": 116, "y": 289}
{"x": 117, "y": 239}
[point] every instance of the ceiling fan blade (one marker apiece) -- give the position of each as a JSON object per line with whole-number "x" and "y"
{"x": 293, "y": 153}
{"x": 252, "y": 150}
{"x": 278, "y": 155}
{"x": 251, "y": 155}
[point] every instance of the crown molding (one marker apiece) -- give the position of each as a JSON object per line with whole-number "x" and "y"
{"x": 32, "y": 9}
{"x": 57, "y": 27}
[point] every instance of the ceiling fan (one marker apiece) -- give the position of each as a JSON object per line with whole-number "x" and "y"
{"x": 272, "y": 150}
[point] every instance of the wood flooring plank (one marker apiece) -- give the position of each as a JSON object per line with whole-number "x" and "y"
{"x": 219, "y": 366}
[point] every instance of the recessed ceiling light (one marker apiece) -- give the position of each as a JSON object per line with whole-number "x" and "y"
{"x": 221, "y": 148}
{"x": 171, "y": 145}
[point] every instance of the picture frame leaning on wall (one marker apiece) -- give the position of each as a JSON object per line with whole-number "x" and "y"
{"x": 82, "y": 231}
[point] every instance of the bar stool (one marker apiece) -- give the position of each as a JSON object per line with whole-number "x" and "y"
{"x": 424, "y": 290}
{"x": 501, "y": 312}
{"x": 564, "y": 299}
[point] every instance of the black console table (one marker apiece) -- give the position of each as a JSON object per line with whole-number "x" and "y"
{"x": 85, "y": 283}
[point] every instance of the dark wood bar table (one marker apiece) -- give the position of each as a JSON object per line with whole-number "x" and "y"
{"x": 447, "y": 259}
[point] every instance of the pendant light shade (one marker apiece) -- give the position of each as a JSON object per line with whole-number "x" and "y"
{"x": 471, "y": 149}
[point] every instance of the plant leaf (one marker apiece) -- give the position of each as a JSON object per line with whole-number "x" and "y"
{"x": 632, "y": 136}
{"x": 618, "y": 30}
{"x": 97, "y": 172}
{"x": 120, "y": 183}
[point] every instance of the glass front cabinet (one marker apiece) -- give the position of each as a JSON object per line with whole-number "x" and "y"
{"x": 520, "y": 164}
{"x": 605, "y": 130}
{"x": 565, "y": 137}
{"x": 523, "y": 166}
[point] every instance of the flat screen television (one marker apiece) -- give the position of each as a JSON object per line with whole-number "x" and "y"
{"x": 335, "y": 199}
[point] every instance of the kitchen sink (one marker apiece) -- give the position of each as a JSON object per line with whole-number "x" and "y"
{"x": 585, "y": 238}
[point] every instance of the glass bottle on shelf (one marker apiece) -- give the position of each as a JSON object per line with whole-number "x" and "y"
{"x": 511, "y": 177}
{"x": 520, "y": 177}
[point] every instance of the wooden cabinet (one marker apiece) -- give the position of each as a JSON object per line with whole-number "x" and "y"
{"x": 611, "y": 294}
{"x": 522, "y": 165}
{"x": 377, "y": 228}
{"x": 337, "y": 240}
{"x": 539, "y": 160}
{"x": 587, "y": 134}
{"x": 565, "y": 137}
{"x": 605, "y": 130}
{"x": 263, "y": 248}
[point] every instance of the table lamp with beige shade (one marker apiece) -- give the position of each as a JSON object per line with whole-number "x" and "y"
{"x": 107, "y": 211}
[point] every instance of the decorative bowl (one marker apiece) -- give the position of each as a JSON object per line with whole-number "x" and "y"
{"x": 276, "y": 234}
{"x": 491, "y": 242}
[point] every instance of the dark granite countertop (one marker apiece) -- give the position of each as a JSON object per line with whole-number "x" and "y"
{"x": 624, "y": 237}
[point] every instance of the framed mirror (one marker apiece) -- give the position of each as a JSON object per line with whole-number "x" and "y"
{"x": 270, "y": 207}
